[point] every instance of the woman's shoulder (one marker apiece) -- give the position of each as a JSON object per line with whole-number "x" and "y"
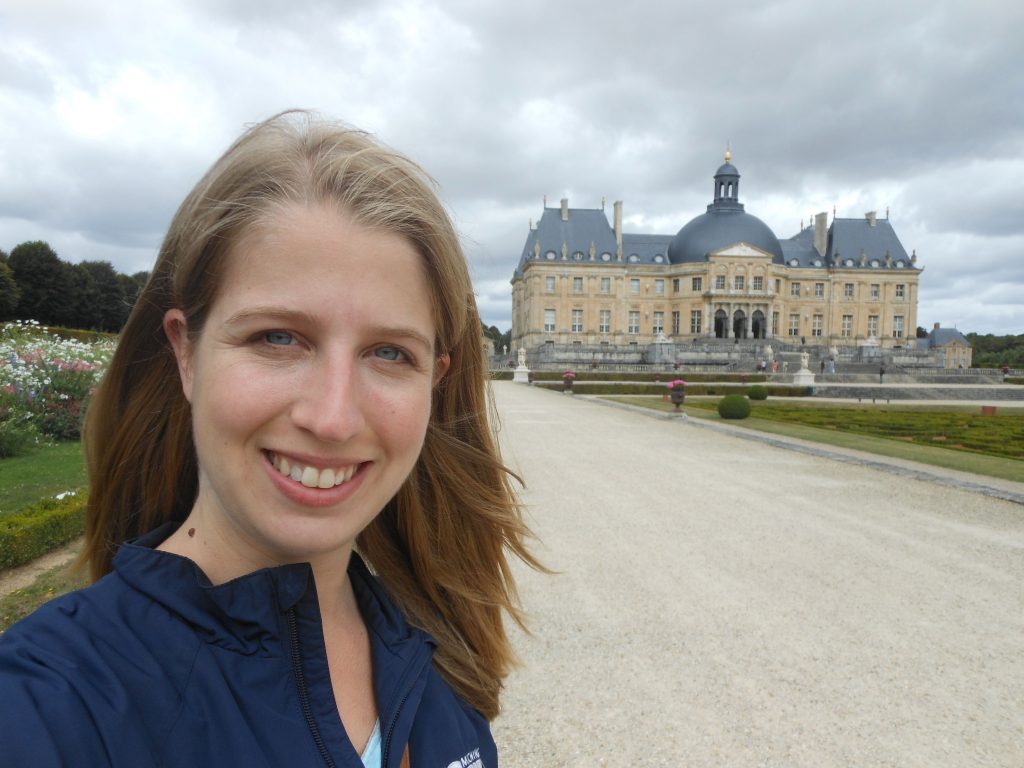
{"x": 74, "y": 672}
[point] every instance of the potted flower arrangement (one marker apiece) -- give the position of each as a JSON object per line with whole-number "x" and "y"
{"x": 567, "y": 379}
{"x": 677, "y": 392}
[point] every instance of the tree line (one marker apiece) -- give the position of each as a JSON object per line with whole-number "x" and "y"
{"x": 36, "y": 284}
{"x": 996, "y": 351}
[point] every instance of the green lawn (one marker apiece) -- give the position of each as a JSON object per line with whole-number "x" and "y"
{"x": 953, "y": 437}
{"x": 46, "y": 471}
{"x": 21, "y": 602}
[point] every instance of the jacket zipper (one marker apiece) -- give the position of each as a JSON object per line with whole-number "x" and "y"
{"x": 386, "y": 751}
{"x": 300, "y": 679}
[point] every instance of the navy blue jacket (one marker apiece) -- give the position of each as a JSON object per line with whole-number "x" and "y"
{"x": 154, "y": 666}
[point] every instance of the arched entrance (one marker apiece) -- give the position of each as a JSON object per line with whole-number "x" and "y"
{"x": 757, "y": 324}
{"x": 739, "y": 324}
{"x": 721, "y": 325}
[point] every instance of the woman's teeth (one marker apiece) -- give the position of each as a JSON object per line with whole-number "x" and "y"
{"x": 311, "y": 477}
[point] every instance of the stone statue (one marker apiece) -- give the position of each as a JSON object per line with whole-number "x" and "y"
{"x": 522, "y": 357}
{"x": 804, "y": 359}
{"x": 504, "y": 349}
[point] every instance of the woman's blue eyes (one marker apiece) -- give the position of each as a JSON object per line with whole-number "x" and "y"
{"x": 388, "y": 353}
{"x": 278, "y": 338}
{"x": 392, "y": 354}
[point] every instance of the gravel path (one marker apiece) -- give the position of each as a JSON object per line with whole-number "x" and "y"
{"x": 23, "y": 576}
{"x": 727, "y": 602}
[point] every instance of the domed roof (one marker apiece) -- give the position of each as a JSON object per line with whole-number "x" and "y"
{"x": 714, "y": 230}
{"x": 724, "y": 224}
{"x": 727, "y": 169}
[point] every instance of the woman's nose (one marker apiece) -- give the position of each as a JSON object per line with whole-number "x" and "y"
{"x": 329, "y": 403}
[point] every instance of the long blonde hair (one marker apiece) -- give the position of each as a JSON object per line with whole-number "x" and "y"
{"x": 441, "y": 547}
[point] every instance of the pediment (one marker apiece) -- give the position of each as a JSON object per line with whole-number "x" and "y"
{"x": 741, "y": 250}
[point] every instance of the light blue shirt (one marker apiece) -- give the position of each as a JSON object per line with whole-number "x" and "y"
{"x": 371, "y": 755}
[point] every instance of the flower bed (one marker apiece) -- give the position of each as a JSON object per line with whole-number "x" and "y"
{"x": 45, "y": 384}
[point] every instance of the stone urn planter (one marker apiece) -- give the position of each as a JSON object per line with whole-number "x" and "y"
{"x": 677, "y": 393}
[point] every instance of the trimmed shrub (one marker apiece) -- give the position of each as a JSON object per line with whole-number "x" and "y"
{"x": 734, "y": 407}
{"x": 41, "y": 527}
{"x": 757, "y": 392}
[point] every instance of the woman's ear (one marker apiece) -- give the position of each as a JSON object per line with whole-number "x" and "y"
{"x": 441, "y": 366}
{"x": 176, "y": 330}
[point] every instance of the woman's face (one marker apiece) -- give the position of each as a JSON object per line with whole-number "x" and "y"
{"x": 310, "y": 384}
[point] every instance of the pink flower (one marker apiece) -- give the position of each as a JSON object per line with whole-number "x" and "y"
{"x": 676, "y": 383}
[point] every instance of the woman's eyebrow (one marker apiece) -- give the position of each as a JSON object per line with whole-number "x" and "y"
{"x": 269, "y": 312}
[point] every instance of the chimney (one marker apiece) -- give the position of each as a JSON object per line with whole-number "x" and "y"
{"x": 936, "y": 327}
{"x": 617, "y": 218}
{"x": 872, "y": 217}
{"x": 565, "y": 209}
{"x": 820, "y": 233}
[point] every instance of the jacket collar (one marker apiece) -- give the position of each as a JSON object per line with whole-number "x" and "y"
{"x": 245, "y": 614}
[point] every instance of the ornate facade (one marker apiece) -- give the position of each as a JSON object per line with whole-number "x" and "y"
{"x": 583, "y": 281}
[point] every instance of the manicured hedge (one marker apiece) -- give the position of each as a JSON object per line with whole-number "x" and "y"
{"x": 758, "y": 392}
{"x": 41, "y": 527}
{"x": 641, "y": 388}
{"x": 582, "y": 374}
{"x": 734, "y": 407}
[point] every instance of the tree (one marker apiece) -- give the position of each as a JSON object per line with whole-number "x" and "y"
{"x": 9, "y": 292}
{"x": 40, "y": 276}
{"x": 921, "y": 333}
{"x": 110, "y": 303}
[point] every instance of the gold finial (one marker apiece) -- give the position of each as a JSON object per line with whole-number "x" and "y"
{"x": 728, "y": 152}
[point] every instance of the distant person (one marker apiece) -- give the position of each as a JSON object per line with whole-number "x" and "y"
{"x": 822, "y": 366}
{"x": 298, "y": 517}
{"x": 881, "y": 373}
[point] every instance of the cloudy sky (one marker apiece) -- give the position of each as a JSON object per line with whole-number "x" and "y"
{"x": 110, "y": 111}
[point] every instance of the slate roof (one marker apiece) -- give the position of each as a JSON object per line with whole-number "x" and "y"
{"x": 586, "y": 226}
{"x": 941, "y": 337}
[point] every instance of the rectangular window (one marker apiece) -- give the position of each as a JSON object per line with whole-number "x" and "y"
{"x": 778, "y": 286}
{"x": 606, "y": 321}
{"x": 549, "y": 321}
{"x": 719, "y": 282}
{"x": 757, "y": 283}
{"x": 549, "y": 284}
{"x": 848, "y": 290}
{"x": 659, "y": 323}
{"x": 847, "y": 326}
{"x": 659, "y": 286}
{"x": 577, "y": 285}
{"x": 794, "y": 324}
{"x": 634, "y": 322}
{"x": 675, "y": 323}
{"x": 819, "y": 290}
{"x": 872, "y": 325}
{"x": 875, "y": 292}
{"x": 697, "y": 284}
{"x": 634, "y": 285}
{"x": 737, "y": 282}
{"x": 817, "y": 323}
{"x": 794, "y": 289}
{"x": 606, "y": 285}
{"x": 897, "y": 326}
{"x": 577, "y": 321}
{"x": 695, "y": 320}
{"x": 775, "y": 323}
{"x": 675, "y": 285}
{"x": 901, "y": 290}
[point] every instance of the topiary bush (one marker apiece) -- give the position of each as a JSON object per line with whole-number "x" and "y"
{"x": 757, "y": 392}
{"x": 41, "y": 527}
{"x": 734, "y": 407}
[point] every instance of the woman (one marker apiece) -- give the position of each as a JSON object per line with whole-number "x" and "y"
{"x": 301, "y": 380}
